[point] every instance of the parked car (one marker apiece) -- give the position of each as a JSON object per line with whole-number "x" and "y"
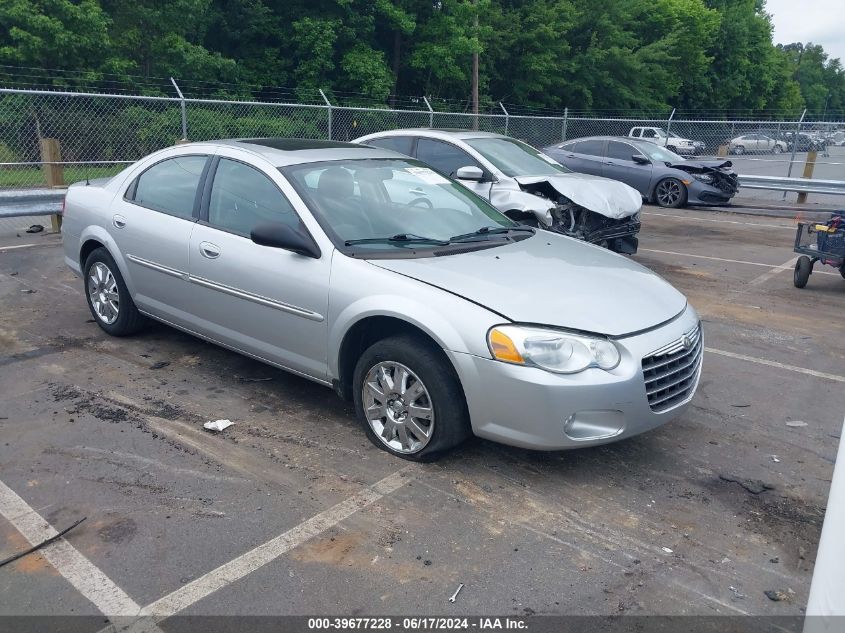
{"x": 805, "y": 142}
{"x": 755, "y": 143}
{"x": 669, "y": 140}
{"x": 658, "y": 174}
{"x": 437, "y": 320}
{"x": 525, "y": 184}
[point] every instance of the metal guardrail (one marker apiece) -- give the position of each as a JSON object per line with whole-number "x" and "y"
{"x": 30, "y": 202}
{"x": 783, "y": 183}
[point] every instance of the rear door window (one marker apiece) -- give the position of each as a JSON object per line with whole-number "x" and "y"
{"x": 590, "y": 148}
{"x": 170, "y": 186}
{"x": 401, "y": 144}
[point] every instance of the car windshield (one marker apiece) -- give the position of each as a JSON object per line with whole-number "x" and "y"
{"x": 658, "y": 153}
{"x": 394, "y": 205}
{"x": 515, "y": 158}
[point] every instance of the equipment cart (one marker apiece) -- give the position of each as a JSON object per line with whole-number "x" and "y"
{"x": 819, "y": 242}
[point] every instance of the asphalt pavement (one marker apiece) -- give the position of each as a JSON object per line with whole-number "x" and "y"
{"x": 293, "y": 511}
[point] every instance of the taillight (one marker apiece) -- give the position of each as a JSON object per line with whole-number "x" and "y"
{"x": 62, "y": 210}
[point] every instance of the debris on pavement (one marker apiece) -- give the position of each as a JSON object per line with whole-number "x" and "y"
{"x": 35, "y": 228}
{"x": 34, "y": 548}
{"x": 457, "y": 591}
{"x": 754, "y": 486}
{"x": 775, "y": 596}
{"x": 796, "y": 423}
{"x": 160, "y": 364}
{"x": 28, "y": 291}
{"x": 667, "y": 550}
{"x": 248, "y": 379}
{"x": 218, "y": 425}
{"x": 738, "y": 595}
{"x": 775, "y": 459}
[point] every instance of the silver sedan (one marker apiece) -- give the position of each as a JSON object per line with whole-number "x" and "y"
{"x": 438, "y": 321}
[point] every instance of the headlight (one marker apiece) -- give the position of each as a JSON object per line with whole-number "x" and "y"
{"x": 552, "y": 350}
{"x": 707, "y": 178}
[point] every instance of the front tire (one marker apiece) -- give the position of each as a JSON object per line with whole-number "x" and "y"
{"x": 108, "y": 297}
{"x": 803, "y": 268}
{"x": 739, "y": 150}
{"x": 409, "y": 399}
{"x": 670, "y": 193}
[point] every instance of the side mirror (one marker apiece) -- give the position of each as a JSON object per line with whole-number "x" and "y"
{"x": 470, "y": 173}
{"x": 640, "y": 159}
{"x": 278, "y": 235}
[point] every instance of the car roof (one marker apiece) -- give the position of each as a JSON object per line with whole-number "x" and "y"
{"x": 293, "y": 151}
{"x": 432, "y": 132}
{"x": 624, "y": 139}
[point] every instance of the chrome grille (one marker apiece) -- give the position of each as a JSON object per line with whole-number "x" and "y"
{"x": 671, "y": 372}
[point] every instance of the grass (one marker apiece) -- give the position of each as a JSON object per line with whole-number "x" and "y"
{"x": 18, "y": 177}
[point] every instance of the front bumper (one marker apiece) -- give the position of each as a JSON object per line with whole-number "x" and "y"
{"x": 702, "y": 193}
{"x": 530, "y": 408}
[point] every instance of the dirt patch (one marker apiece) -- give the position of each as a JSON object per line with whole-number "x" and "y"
{"x": 118, "y": 531}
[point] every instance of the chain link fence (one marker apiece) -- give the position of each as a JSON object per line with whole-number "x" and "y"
{"x": 97, "y": 134}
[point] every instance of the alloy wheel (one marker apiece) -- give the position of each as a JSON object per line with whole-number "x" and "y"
{"x": 668, "y": 193}
{"x": 398, "y": 407}
{"x": 102, "y": 290}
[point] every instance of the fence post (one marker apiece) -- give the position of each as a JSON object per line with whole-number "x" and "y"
{"x": 794, "y": 146}
{"x": 507, "y": 117}
{"x": 669, "y": 126}
{"x": 809, "y": 166}
{"x": 563, "y": 126}
{"x": 329, "y": 104}
{"x": 430, "y": 112}
{"x": 184, "y": 112}
{"x": 51, "y": 159}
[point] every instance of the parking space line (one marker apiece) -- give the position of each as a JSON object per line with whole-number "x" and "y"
{"x": 3, "y": 249}
{"x": 722, "y": 259}
{"x": 694, "y": 219}
{"x": 256, "y": 558}
{"x": 80, "y": 572}
{"x": 757, "y": 281}
{"x": 772, "y": 363}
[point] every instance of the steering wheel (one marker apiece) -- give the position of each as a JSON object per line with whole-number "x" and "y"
{"x": 416, "y": 202}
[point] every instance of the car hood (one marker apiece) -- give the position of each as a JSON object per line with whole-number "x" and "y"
{"x": 701, "y": 165}
{"x": 555, "y": 280}
{"x": 610, "y": 198}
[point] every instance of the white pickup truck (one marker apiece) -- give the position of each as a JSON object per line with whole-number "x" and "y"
{"x": 670, "y": 141}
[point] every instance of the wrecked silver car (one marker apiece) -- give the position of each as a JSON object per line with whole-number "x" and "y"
{"x": 525, "y": 184}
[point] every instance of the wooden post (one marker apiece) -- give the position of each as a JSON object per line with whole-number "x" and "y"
{"x": 54, "y": 173}
{"x": 809, "y": 166}
{"x": 723, "y": 150}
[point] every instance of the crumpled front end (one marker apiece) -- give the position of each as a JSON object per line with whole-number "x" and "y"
{"x": 591, "y": 210}
{"x": 718, "y": 182}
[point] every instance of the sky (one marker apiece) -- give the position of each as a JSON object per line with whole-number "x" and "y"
{"x": 817, "y": 21}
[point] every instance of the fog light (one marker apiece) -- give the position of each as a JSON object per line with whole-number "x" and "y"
{"x": 594, "y": 424}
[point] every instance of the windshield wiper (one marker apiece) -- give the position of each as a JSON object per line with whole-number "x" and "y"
{"x": 486, "y": 230}
{"x": 401, "y": 238}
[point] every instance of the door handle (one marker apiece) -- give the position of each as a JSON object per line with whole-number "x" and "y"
{"x": 119, "y": 221}
{"x": 209, "y": 250}
{"x": 417, "y": 192}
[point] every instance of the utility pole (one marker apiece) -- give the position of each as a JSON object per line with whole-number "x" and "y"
{"x": 475, "y": 70}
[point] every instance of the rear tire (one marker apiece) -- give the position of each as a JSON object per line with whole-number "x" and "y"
{"x": 803, "y": 268}
{"x": 670, "y": 193}
{"x": 777, "y": 149}
{"x": 108, "y": 297}
{"x": 401, "y": 376}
